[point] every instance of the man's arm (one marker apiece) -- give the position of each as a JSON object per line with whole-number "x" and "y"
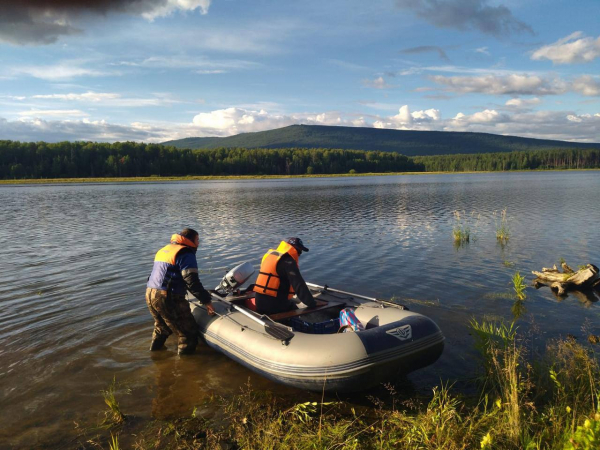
{"x": 189, "y": 271}
{"x": 292, "y": 271}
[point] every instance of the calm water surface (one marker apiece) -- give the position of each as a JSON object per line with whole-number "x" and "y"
{"x": 76, "y": 258}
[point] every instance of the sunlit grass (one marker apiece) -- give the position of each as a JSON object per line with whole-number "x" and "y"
{"x": 519, "y": 286}
{"x": 502, "y": 226}
{"x": 114, "y": 442}
{"x": 523, "y": 401}
{"x": 113, "y": 414}
{"x": 462, "y": 227}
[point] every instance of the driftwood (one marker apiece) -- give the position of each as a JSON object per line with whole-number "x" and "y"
{"x": 568, "y": 279}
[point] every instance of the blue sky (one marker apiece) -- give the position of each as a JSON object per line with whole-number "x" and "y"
{"x": 153, "y": 70}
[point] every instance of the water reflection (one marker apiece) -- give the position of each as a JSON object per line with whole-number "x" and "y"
{"x": 72, "y": 310}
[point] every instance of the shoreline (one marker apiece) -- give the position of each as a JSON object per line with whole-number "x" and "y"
{"x": 159, "y": 179}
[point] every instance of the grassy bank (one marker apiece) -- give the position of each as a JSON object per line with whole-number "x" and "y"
{"x": 157, "y": 179}
{"x": 524, "y": 401}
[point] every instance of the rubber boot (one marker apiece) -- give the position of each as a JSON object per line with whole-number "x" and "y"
{"x": 158, "y": 342}
{"x": 187, "y": 346}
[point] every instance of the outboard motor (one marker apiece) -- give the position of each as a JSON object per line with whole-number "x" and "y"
{"x": 235, "y": 278}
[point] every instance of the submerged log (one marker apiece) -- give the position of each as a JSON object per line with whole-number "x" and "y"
{"x": 568, "y": 279}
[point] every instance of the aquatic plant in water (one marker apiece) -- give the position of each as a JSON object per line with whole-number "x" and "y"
{"x": 113, "y": 415}
{"x": 502, "y": 227}
{"x": 519, "y": 286}
{"x": 461, "y": 230}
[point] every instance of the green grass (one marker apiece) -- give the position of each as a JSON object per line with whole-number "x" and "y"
{"x": 523, "y": 401}
{"x": 519, "y": 286}
{"x": 502, "y": 226}
{"x": 461, "y": 231}
{"x": 114, "y": 442}
{"x": 113, "y": 414}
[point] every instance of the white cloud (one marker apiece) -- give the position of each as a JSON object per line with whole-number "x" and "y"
{"x": 111, "y": 99}
{"x": 86, "y": 96}
{"x": 405, "y": 120}
{"x": 571, "y": 49}
{"x": 522, "y": 102}
{"x": 52, "y": 113}
{"x": 483, "y": 51}
{"x": 230, "y": 121}
{"x": 203, "y": 64}
{"x": 170, "y": 6}
{"x": 488, "y": 116}
{"x": 586, "y": 85}
{"x": 57, "y": 125}
{"x": 503, "y": 85}
{"x": 377, "y": 83}
{"x": 559, "y": 125}
{"x": 63, "y": 71}
{"x": 32, "y": 130}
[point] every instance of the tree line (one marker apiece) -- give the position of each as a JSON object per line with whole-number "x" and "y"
{"x": 524, "y": 160}
{"x": 21, "y": 160}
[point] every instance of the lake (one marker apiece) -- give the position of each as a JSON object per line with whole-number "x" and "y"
{"x": 76, "y": 259}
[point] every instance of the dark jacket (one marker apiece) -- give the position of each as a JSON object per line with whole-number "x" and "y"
{"x": 179, "y": 274}
{"x": 289, "y": 273}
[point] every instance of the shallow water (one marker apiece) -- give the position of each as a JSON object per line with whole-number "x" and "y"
{"x": 76, "y": 258}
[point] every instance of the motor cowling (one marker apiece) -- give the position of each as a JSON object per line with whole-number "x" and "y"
{"x": 235, "y": 278}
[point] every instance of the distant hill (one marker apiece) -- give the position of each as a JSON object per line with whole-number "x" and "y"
{"x": 410, "y": 143}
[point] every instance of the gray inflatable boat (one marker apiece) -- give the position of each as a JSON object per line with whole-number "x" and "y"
{"x": 308, "y": 351}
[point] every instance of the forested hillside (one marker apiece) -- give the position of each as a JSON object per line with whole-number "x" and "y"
{"x": 406, "y": 142}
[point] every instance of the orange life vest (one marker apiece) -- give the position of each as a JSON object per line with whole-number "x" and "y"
{"x": 168, "y": 253}
{"x": 268, "y": 281}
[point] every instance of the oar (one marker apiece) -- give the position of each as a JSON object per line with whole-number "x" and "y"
{"x": 373, "y": 299}
{"x": 274, "y": 329}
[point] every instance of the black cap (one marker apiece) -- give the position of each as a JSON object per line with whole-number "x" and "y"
{"x": 296, "y": 242}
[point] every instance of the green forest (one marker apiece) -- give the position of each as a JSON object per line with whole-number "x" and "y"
{"x": 22, "y": 160}
{"x": 526, "y": 160}
{"x": 129, "y": 159}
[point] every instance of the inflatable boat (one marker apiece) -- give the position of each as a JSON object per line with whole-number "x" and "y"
{"x": 305, "y": 348}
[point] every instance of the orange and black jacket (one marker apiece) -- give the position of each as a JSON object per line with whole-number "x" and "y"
{"x": 279, "y": 276}
{"x": 176, "y": 269}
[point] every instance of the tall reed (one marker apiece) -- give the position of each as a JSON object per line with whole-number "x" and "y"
{"x": 502, "y": 226}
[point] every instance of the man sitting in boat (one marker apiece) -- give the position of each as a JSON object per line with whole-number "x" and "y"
{"x": 279, "y": 279}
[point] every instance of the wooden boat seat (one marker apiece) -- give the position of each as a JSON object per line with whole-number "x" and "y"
{"x": 321, "y": 305}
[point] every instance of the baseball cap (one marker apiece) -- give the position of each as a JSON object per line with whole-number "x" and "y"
{"x": 296, "y": 242}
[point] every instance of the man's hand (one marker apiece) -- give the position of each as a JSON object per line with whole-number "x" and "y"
{"x": 209, "y": 309}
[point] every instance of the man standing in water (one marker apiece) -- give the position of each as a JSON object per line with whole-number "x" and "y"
{"x": 279, "y": 279}
{"x": 175, "y": 271}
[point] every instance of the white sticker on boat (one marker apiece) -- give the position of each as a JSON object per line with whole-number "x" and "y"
{"x": 403, "y": 333}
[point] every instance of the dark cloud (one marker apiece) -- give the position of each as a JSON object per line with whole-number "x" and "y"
{"x": 466, "y": 15}
{"x": 427, "y": 49}
{"x": 35, "y": 22}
